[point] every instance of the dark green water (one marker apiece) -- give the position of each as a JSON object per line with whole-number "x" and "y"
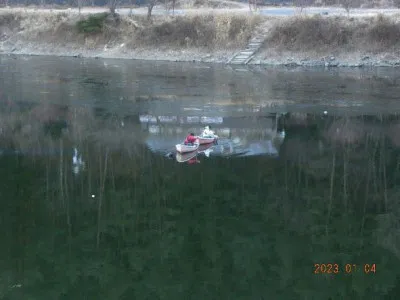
{"x": 286, "y": 188}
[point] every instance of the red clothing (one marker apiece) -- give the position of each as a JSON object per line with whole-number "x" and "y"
{"x": 192, "y": 161}
{"x": 190, "y": 139}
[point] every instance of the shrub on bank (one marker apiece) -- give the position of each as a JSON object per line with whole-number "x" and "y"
{"x": 93, "y": 24}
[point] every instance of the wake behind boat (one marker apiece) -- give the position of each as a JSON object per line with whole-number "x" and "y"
{"x": 204, "y": 147}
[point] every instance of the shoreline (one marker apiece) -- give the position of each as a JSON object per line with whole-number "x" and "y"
{"x": 54, "y": 34}
{"x": 187, "y": 55}
{"x": 291, "y": 59}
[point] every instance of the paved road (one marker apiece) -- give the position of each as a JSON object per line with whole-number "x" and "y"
{"x": 271, "y": 11}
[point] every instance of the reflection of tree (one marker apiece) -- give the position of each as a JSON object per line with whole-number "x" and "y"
{"x": 234, "y": 92}
{"x": 233, "y": 229}
{"x": 249, "y": 227}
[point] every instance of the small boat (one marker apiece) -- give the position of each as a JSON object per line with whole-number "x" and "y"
{"x": 182, "y": 148}
{"x": 207, "y": 139}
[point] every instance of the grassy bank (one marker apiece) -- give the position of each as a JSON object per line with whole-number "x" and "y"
{"x": 204, "y": 37}
{"x": 333, "y": 41}
{"x": 103, "y": 35}
{"x": 324, "y": 34}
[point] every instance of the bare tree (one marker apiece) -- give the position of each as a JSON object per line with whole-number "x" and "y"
{"x": 150, "y": 6}
{"x": 396, "y": 3}
{"x": 173, "y": 6}
{"x": 252, "y": 4}
{"x": 303, "y": 3}
{"x": 170, "y": 4}
{"x": 349, "y": 4}
{"x": 330, "y": 2}
{"x": 112, "y": 4}
{"x": 131, "y": 8}
{"x": 80, "y": 4}
{"x": 346, "y": 5}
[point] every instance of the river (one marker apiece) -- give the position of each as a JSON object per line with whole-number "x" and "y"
{"x": 297, "y": 200}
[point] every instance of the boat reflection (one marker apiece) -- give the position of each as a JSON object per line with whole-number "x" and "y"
{"x": 206, "y": 149}
{"x": 190, "y": 157}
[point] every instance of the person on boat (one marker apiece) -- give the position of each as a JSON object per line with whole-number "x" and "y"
{"x": 190, "y": 139}
{"x": 207, "y": 132}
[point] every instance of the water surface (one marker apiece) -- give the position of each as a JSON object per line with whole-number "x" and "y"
{"x": 95, "y": 204}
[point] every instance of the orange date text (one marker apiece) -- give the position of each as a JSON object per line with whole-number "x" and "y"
{"x": 331, "y": 268}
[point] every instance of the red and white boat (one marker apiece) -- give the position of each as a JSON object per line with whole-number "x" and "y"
{"x": 207, "y": 139}
{"x": 182, "y": 148}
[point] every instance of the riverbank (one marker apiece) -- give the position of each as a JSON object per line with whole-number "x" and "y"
{"x": 317, "y": 40}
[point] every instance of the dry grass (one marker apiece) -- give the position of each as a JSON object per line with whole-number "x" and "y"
{"x": 321, "y": 34}
{"x": 222, "y": 31}
{"x": 384, "y": 32}
{"x": 214, "y": 31}
{"x": 61, "y": 28}
{"x": 9, "y": 23}
{"x": 211, "y": 31}
{"x": 12, "y": 20}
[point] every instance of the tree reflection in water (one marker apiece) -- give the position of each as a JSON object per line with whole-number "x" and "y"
{"x": 243, "y": 228}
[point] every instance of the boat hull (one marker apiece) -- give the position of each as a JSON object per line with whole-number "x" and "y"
{"x": 207, "y": 140}
{"x": 182, "y": 148}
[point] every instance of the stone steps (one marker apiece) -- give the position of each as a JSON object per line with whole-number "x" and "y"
{"x": 245, "y": 56}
